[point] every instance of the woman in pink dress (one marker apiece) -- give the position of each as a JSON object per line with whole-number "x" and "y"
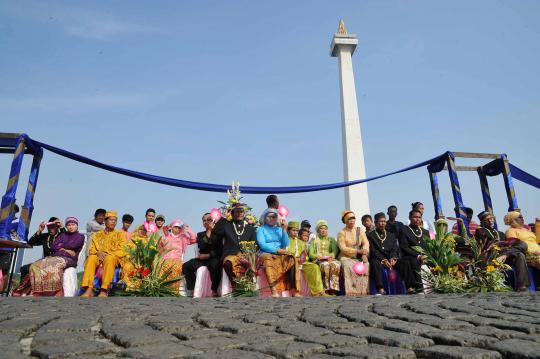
{"x": 173, "y": 246}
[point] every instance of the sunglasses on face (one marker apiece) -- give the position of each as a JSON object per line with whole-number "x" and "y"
{"x": 272, "y": 216}
{"x": 207, "y": 220}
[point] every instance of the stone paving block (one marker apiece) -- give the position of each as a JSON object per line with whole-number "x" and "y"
{"x": 44, "y": 337}
{"x": 516, "y": 348}
{"x": 23, "y": 326}
{"x": 65, "y": 325}
{"x": 287, "y": 350}
{"x": 332, "y": 340}
{"x": 452, "y": 352}
{"x": 460, "y": 338}
{"x": 372, "y": 351}
{"x": 407, "y": 327}
{"x": 159, "y": 351}
{"x": 386, "y": 337}
{"x": 242, "y": 327}
{"x": 202, "y": 333}
{"x": 215, "y": 343}
{"x": 231, "y": 354}
{"x": 133, "y": 338}
{"x": 53, "y": 350}
{"x": 303, "y": 330}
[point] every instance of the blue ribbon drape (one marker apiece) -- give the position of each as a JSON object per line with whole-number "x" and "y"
{"x": 437, "y": 161}
{"x": 519, "y": 174}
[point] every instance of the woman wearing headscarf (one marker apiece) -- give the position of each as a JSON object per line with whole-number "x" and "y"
{"x": 311, "y": 271}
{"x": 174, "y": 245}
{"x": 353, "y": 245}
{"x": 278, "y": 264}
{"x": 324, "y": 251}
{"x": 517, "y": 231}
{"x": 46, "y": 275}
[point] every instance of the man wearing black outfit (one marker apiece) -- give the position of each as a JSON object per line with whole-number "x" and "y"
{"x": 209, "y": 256}
{"x": 392, "y": 225}
{"x": 511, "y": 253}
{"x": 384, "y": 253}
{"x": 412, "y": 236}
{"x": 229, "y": 235}
{"x": 54, "y": 228}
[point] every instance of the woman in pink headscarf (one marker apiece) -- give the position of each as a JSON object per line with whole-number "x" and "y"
{"x": 173, "y": 245}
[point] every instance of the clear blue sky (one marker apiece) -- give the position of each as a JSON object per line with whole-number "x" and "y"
{"x": 223, "y": 91}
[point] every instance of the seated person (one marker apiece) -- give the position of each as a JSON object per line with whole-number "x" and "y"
{"x": 209, "y": 256}
{"x": 414, "y": 235}
{"x": 518, "y": 232}
{"x": 353, "y": 246}
{"x": 511, "y": 253}
{"x": 173, "y": 245}
{"x": 54, "y": 228}
{"x": 47, "y": 274}
{"x": 106, "y": 250}
{"x": 384, "y": 253}
{"x": 278, "y": 264}
{"x": 323, "y": 250}
{"x": 228, "y": 235}
{"x": 298, "y": 246}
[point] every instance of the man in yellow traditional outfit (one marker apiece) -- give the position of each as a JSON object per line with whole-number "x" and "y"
{"x": 106, "y": 249}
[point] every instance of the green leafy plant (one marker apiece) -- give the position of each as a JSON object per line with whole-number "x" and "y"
{"x": 485, "y": 272}
{"x": 440, "y": 252}
{"x": 149, "y": 279}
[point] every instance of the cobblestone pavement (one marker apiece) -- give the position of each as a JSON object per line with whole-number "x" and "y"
{"x": 432, "y": 326}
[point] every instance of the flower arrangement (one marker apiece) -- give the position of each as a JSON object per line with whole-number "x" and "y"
{"x": 234, "y": 195}
{"x": 149, "y": 278}
{"x": 246, "y": 284}
{"x": 478, "y": 271}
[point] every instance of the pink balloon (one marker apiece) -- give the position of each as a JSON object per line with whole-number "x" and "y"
{"x": 283, "y": 211}
{"x": 359, "y": 268}
{"x": 392, "y": 276}
{"x": 215, "y": 214}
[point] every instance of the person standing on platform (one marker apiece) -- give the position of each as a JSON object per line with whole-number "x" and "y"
{"x": 392, "y": 225}
{"x": 95, "y": 225}
{"x": 127, "y": 221}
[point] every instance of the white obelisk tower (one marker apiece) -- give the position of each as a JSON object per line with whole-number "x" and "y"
{"x": 356, "y": 197}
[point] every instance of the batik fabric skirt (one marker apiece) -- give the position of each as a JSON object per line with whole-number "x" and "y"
{"x": 353, "y": 283}
{"x": 47, "y": 275}
{"x": 330, "y": 274}
{"x": 280, "y": 270}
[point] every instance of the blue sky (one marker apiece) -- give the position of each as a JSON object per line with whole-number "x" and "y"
{"x": 241, "y": 90}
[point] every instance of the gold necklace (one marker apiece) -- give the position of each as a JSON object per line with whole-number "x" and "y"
{"x": 381, "y": 239}
{"x": 416, "y": 235}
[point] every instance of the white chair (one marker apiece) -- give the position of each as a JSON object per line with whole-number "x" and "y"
{"x": 203, "y": 283}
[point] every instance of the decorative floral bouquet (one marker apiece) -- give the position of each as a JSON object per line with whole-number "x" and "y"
{"x": 479, "y": 271}
{"x": 246, "y": 284}
{"x": 149, "y": 279}
{"x": 234, "y": 195}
